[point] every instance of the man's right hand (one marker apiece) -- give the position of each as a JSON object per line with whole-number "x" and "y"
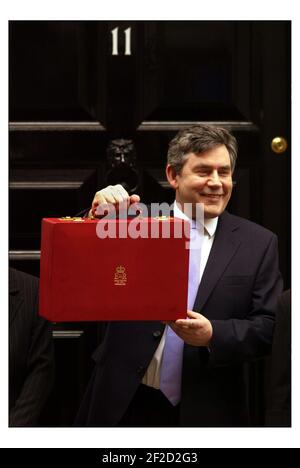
{"x": 111, "y": 195}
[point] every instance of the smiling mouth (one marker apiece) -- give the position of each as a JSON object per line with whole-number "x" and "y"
{"x": 212, "y": 196}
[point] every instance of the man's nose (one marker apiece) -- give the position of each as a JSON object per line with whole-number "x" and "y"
{"x": 214, "y": 180}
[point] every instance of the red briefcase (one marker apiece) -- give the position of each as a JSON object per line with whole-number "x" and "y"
{"x": 133, "y": 269}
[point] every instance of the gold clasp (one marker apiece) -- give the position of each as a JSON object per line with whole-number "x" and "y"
{"x": 162, "y": 218}
{"x": 69, "y": 218}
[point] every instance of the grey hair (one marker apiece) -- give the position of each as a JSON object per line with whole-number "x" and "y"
{"x": 198, "y": 139}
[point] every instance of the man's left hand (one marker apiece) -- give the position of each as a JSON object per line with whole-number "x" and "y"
{"x": 195, "y": 330}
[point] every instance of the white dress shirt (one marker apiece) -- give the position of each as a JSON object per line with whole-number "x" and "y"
{"x": 152, "y": 375}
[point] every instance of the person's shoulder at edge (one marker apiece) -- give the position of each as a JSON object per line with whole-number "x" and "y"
{"x": 17, "y": 279}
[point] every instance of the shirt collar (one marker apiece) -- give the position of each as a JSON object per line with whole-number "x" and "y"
{"x": 210, "y": 224}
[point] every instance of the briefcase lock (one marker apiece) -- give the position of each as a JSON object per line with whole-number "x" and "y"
{"x": 162, "y": 218}
{"x": 69, "y": 218}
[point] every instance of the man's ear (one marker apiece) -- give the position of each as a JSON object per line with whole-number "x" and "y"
{"x": 172, "y": 176}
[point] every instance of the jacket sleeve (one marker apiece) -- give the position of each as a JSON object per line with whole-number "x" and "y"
{"x": 39, "y": 374}
{"x": 240, "y": 340}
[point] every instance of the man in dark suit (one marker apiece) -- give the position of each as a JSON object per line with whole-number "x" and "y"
{"x": 230, "y": 319}
{"x": 31, "y": 362}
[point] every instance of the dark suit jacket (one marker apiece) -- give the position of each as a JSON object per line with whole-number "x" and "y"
{"x": 278, "y": 411}
{"x": 30, "y": 352}
{"x": 238, "y": 294}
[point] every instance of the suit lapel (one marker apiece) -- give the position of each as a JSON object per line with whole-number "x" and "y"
{"x": 226, "y": 243}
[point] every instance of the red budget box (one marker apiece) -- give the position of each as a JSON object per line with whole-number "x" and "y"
{"x": 127, "y": 269}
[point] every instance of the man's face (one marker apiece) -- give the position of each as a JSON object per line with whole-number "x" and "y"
{"x": 204, "y": 178}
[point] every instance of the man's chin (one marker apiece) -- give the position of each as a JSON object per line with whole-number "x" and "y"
{"x": 212, "y": 212}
